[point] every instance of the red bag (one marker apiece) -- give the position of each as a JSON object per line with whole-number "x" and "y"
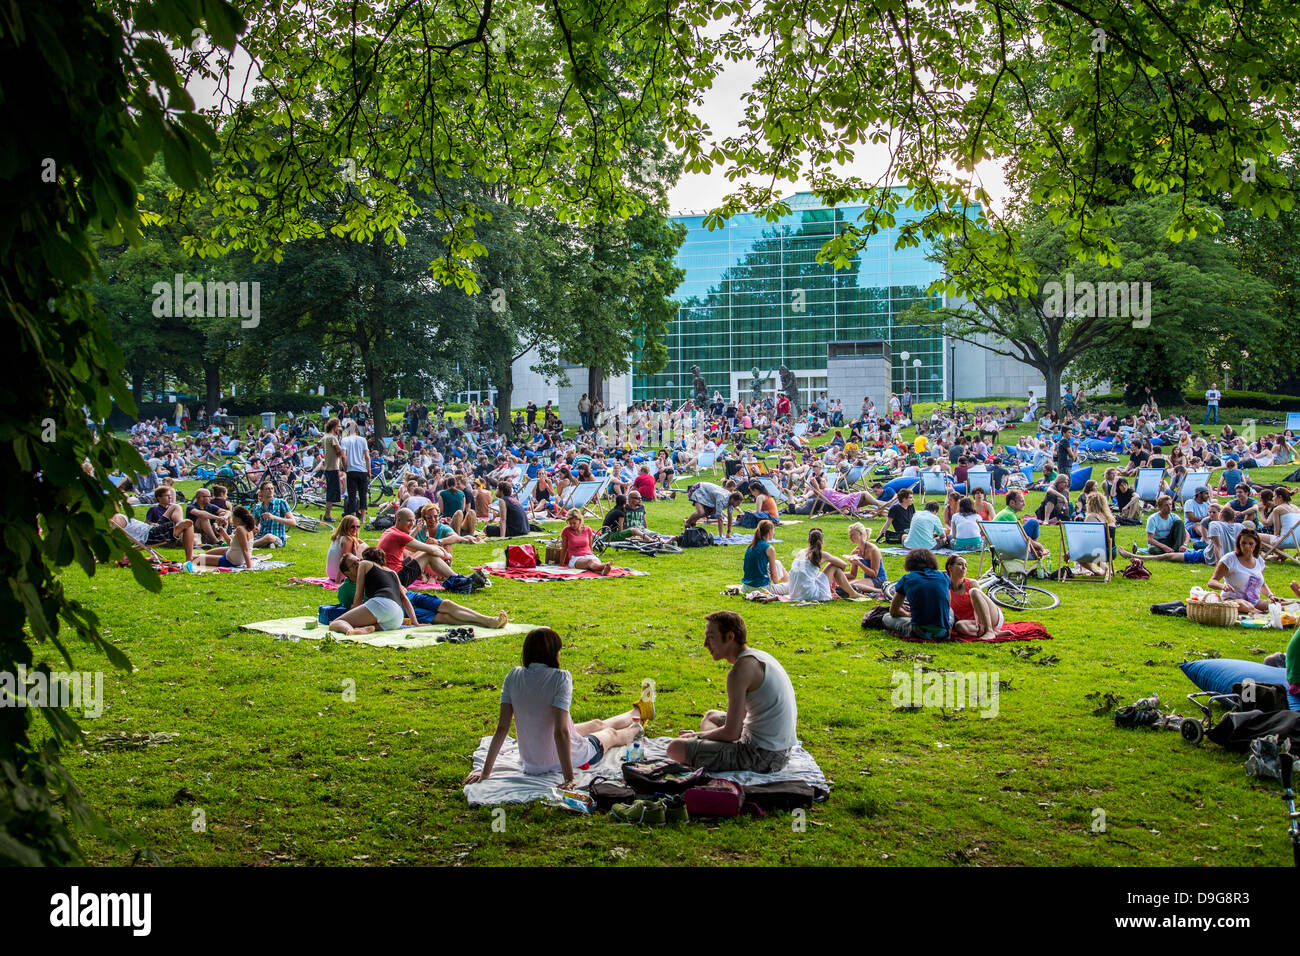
{"x": 521, "y": 556}
{"x": 716, "y": 798}
{"x": 1136, "y": 571}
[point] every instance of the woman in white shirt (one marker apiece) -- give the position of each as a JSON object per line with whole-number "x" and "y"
{"x": 537, "y": 696}
{"x": 813, "y": 572}
{"x": 1240, "y": 575}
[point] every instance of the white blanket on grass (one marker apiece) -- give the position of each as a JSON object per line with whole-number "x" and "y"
{"x": 509, "y": 783}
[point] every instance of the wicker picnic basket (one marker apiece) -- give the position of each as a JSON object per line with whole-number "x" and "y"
{"x": 1215, "y": 614}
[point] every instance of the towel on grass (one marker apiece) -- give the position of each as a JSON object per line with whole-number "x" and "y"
{"x": 424, "y": 635}
{"x": 329, "y": 585}
{"x": 902, "y": 552}
{"x": 554, "y": 572}
{"x": 509, "y": 783}
{"x": 1020, "y": 631}
{"x": 737, "y": 537}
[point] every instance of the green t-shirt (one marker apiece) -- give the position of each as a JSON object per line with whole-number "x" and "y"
{"x": 347, "y": 592}
{"x": 1293, "y": 659}
{"x": 1006, "y": 514}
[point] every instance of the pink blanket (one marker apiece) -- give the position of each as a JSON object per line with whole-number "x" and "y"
{"x": 544, "y": 573}
{"x": 329, "y": 585}
{"x": 1020, "y": 631}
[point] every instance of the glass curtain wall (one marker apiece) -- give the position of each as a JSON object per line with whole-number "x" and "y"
{"x": 755, "y": 296}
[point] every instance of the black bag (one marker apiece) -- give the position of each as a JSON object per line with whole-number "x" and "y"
{"x": 661, "y": 776}
{"x": 459, "y": 584}
{"x": 1171, "y": 609}
{"x": 608, "y": 792}
{"x": 1236, "y": 730}
{"x": 781, "y": 795}
{"x": 1266, "y": 698}
{"x": 875, "y": 618}
{"x": 695, "y": 538}
{"x": 383, "y": 522}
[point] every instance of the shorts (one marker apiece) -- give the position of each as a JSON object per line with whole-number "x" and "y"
{"x": 333, "y": 488}
{"x": 164, "y": 532}
{"x": 224, "y": 562}
{"x": 573, "y": 561}
{"x": 410, "y": 572}
{"x": 966, "y": 544}
{"x": 720, "y": 755}
{"x": 388, "y": 613}
{"x": 600, "y": 751}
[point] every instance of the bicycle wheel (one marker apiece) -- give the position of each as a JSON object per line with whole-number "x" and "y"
{"x": 377, "y": 491}
{"x": 1016, "y": 597}
{"x": 888, "y": 589}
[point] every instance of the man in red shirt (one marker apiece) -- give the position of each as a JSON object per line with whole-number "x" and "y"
{"x": 397, "y": 540}
{"x": 644, "y": 483}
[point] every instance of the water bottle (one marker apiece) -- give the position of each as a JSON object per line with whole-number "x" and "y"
{"x": 634, "y": 752}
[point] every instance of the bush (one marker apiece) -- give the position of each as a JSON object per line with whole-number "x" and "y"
{"x": 1259, "y": 401}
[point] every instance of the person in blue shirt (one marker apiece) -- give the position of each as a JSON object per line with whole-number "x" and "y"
{"x": 920, "y": 609}
{"x": 1166, "y": 532}
{"x": 762, "y": 570}
{"x": 273, "y": 517}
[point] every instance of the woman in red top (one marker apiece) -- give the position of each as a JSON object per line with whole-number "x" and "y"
{"x": 575, "y": 545}
{"x": 974, "y": 614}
{"x": 644, "y": 483}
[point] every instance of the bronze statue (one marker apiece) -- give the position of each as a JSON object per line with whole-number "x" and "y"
{"x": 790, "y": 389}
{"x": 755, "y": 386}
{"x": 700, "y": 388}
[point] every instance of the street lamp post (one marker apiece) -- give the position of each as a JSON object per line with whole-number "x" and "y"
{"x": 904, "y": 356}
{"x": 916, "y": 364}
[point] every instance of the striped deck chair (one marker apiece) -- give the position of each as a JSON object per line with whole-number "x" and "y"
{"x": 1289, "y": 537}
{"x": 525, "y": 494}
{"x": 1148, "y": 484}
{"x": 934, "y": 483}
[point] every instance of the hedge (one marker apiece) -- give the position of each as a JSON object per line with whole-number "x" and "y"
{"x": 1267, "y": 401}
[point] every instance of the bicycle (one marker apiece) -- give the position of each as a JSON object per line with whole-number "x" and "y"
{"x": 1007, "y": 589}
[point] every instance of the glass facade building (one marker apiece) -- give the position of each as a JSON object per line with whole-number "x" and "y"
{"x": 754, "y": 295}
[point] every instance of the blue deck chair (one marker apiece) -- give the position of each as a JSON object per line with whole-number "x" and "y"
{"x": 1009, "y": 544}
{"x": 582, "y": 495}
{"x": 934, "y": 483}
{"x": 706, "y": 459}
{"x": 1087, "y": 541}
{"x": 1148, "y": 484}
{"x": 771, "y": 488}
{"x": 979, "y": 478}
{"x": 525, "y": 494}
{"x": 849, "y": 480}
{"x": 1193, "y": 482}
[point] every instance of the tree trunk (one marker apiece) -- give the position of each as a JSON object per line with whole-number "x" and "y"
{"x": 212, "y": 386}
{"x": 378, "y": 413}
{"x": 595, "y": 384}
{"x": 1053, "y": 376}
{"x": 505, "y": 392}
{"x": 137, "y": 388}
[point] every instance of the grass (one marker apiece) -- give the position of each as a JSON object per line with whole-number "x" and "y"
{"x": 281, "y": 769}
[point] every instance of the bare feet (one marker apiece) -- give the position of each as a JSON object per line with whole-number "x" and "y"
{"x": 1295, "y": 587}
{"x": 502, "y": 619}
{"x": 606, "y": 568}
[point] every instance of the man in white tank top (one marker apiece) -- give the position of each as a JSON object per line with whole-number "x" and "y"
{"x": 757, "y": 730}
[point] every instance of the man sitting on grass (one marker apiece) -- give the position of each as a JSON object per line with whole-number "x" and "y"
{"x": 210, "y": 520}
{"x": 1015, "y": 505}
{"x": 1166, "y": 532}
{"x": 758, "y": 729}
{"x": 428, "y": 557}
{"x": 273, "y": 516}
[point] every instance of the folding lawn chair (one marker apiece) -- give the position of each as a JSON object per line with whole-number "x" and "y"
{"x": 1009, "y": 543}
{"x": 756, "y": 468}
{"x": 525, "y": 493}
{"x": 1148, "y": 484}
{"x": 1087, "y": 541}
{"x": 1289, "y": 537}
{"x": 850, "y": 479}
{"x": 581, "y": 495}
{"x": 934, "y": 483}
{"x": 1193, "y": 481}
{"x": 979, "y": 478}
{"x": 706, "y": 459}
{"x": 800, "y": 429}
{"x": 771, "y": 488}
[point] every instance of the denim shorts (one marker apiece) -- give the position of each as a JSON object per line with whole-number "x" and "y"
{"x": 600, "y": 749}
{"x": 388, "y": 613}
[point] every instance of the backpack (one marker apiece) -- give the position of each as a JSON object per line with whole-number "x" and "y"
{"x": 521, "y": 556}
{"x": 458, "y": 584}
{"x": 715, "y": 798}
{"x": 695, "y": 538}
{"x": 607, "y": 792}
{"x": 780, "y": 795}
{"x": 383, "y": 522}
{"x": 661, "y": 776}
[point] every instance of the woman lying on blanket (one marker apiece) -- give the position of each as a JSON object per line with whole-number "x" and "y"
{"x": 813, "y": 573}
{"x": 974, "y": 614}
{"x": 239, "y": 554}
{"x": 380, "y": 603}
{"x": 537, "y": 696}
{"x": 866, "y": 557}
{"x": 575, "y": 546}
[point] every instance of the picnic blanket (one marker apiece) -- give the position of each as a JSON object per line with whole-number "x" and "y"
{"x": 553, "y": 572}
{"x": 1020, "y": 631}
{"x": 423, "y": 635}
{"x": 329, "y": 585}
{"x": 737, "y": 537}
{"x": 509, "y": 783}
{"x": 903, "y": 552}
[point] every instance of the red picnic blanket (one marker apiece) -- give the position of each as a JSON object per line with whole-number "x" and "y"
{"x": 1020, "y": 631}
{"x": 544, "y": 573}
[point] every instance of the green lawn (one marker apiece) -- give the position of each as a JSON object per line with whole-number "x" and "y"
{"x": 284, "y": 770}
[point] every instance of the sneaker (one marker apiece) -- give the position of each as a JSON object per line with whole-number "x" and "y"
{"x": 479, "y": 580}
{"x": 646, "y": 704}
{"x": 649, "y": 812}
